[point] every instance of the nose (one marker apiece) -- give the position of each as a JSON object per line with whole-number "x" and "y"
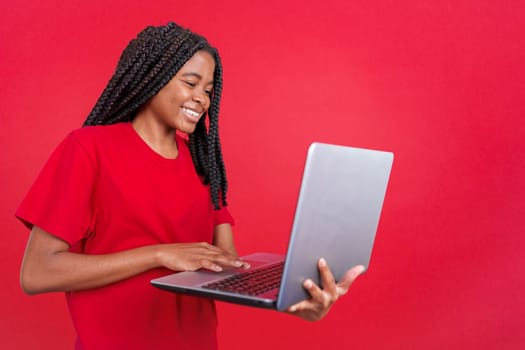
{"x": 200, "y": 97}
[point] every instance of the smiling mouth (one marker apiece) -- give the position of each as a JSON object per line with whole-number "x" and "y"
{"x": 193, "y": 115}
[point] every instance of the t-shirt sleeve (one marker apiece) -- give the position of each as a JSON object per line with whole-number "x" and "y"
{"x": 223, "y": 216}
{"x": 60, "y": 199}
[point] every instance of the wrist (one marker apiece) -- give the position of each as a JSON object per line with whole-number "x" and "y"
{"x": 157, "y": 254}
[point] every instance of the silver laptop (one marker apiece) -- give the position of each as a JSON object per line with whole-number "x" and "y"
{"x": 336, "y": 218}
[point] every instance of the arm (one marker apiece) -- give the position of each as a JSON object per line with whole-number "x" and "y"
{"x": 322, "y": 300}
{"x": 49, "y": 266}
{"x": 223, "y": 238}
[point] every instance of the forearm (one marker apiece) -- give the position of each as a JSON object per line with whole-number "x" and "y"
{"x": 66, "y": 271}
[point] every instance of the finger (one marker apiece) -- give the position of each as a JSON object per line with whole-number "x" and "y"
{"x": 226, "y": 260}
{"x": 316, "y": 293}
{"x": 302, "y": 305}
{"x": 213, "y": 249}
{"x": 220, "y": 256}
{"x": 244, "y": 264}
{"x": 327, "y": 278}
{"x": 349, "y": 278}
{"x": 209, "y": 265}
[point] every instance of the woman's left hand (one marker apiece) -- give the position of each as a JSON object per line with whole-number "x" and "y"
{"x": 322, "y": 299}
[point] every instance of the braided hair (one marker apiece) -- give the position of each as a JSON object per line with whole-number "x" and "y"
{"x": 147, "y": 64}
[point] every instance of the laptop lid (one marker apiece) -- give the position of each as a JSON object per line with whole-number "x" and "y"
{"x": 337, "y": 214}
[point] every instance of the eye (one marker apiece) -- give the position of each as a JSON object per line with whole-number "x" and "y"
{"x": 190, "y": 83}
{"x": 208, "y": 92}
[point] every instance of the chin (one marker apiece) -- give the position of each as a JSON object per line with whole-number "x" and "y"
{"x": 187, "y": 131}
{"x": 186, "y": 128}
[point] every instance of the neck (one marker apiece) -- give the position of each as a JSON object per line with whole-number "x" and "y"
{"x": 158, "y": 138}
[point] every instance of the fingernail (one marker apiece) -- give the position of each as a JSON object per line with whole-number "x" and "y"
{"x": 217, "y": 268}
{"x": 237, "y": 263}
{"x": 360, "y": 270}
{"x": 308, "y": 283}
{"x": 322, "y": 262}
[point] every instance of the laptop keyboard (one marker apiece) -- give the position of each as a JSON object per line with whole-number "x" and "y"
{"x": 251, "y": 282}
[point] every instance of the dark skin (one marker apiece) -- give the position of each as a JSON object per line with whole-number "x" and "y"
{"x": 49, "y": 266}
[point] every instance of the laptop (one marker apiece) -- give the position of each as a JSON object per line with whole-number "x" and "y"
{"x": 336, "y": 218}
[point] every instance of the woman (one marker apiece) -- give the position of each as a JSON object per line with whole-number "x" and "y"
{"x": 129, "y": 198}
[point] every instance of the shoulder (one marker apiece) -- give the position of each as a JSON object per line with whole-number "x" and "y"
{"x": 99, "y": 132}
{"x": 96, "y": 140}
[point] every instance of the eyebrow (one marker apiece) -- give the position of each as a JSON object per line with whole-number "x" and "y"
{"x": 196, "y": 75}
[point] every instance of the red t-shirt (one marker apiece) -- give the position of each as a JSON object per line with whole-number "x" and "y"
{"x": 104, "y": 190}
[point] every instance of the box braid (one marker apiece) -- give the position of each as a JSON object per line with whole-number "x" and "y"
{"x": 147, "y": 64}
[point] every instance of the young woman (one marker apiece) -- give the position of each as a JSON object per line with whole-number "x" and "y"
{"x": 128, "y": 198}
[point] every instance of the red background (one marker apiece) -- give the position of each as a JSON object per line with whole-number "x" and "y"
{"x": 439, "y": 83}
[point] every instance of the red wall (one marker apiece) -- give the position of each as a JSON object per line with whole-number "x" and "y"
{"x": 440, "y": 83}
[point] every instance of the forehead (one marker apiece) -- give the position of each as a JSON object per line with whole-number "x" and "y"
{"x": 201, "y": 63}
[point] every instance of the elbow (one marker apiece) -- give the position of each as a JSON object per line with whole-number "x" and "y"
{"x": 38, "y": 271}
{"x": 28, "y": 291}
{"x": 29, "y": 283}
{"x": 27, "y": 288}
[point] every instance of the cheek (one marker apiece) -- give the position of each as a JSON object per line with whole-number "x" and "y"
{"x": 177, "y": 94}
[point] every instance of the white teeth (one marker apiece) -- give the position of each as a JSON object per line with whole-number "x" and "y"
{"x": 190, "y": 112}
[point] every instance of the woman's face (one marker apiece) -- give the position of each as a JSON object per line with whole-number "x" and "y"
{"x": 185, "y": 98}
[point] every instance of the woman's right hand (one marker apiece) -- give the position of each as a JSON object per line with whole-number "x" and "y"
{"x": 194, "y": 256}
